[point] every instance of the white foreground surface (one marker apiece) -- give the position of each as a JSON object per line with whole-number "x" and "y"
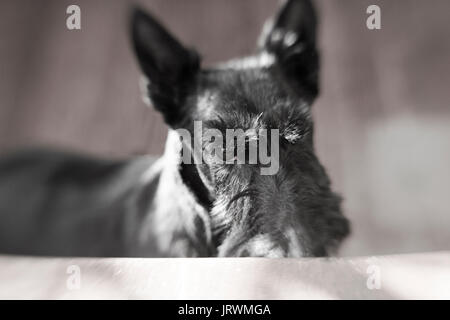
{"x": 415, "y": 276}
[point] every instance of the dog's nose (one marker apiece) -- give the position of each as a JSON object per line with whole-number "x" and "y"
{"x": 274, "y": 253}
{"x": 243, "y": 253}
{"x": 259, "y": 246}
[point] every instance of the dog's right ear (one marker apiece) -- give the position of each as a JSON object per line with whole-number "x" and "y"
{"x": 291, "y": 38}
{"x": 169, "y": 67}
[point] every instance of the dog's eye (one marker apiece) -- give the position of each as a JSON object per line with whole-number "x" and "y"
{"x": 293, "y": 135}
{"x": 241, "y": 150}
{"x": 292, "y": 139}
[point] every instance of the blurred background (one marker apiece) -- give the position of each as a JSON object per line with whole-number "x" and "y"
{"x": 382, "y": 120}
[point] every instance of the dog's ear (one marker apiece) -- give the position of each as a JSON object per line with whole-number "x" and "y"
{"x": 169, "y": 67}
{"x": 291, "y": 38}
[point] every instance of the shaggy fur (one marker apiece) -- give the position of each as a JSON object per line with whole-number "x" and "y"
{"x": 61, "y": 204}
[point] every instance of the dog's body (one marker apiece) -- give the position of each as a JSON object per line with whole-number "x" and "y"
{"x": 55, "y": 203}
{"x": 60, "y": 204}
{"x": 63, "y": 204}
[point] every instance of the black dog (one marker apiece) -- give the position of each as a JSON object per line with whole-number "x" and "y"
{"x": 59, "y": 204}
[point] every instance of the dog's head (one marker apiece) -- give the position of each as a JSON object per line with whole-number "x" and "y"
{"x": 287, "y": 210}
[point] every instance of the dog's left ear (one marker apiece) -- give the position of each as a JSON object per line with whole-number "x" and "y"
{"x": 167, "y": 64}
{"x": 291, "y": 38}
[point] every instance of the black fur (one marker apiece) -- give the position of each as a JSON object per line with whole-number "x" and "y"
{"x": 62, "y": 204}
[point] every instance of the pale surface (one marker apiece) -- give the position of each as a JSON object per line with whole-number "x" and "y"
{"x": 416, "y": 276}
